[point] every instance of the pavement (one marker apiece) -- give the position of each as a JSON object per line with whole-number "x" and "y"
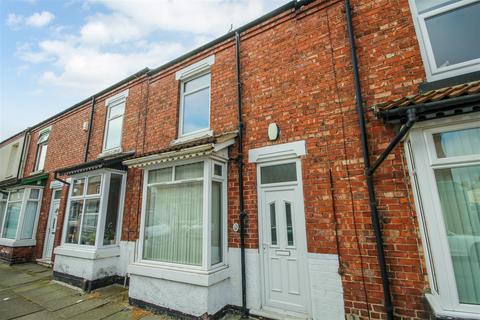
{"x": 27, "y": 292}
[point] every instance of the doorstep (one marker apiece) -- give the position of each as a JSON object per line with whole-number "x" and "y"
{"x": 45, "y": 262}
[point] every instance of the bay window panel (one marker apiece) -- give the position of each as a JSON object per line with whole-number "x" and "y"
{"x": 3, "y": 205}
{"x": 78, "y": 186}
{"x": 424, "y": 5}
{"x": 174, "y": 223}
{"x": 459, "y": 192}
{"x": 73, "y": 224}
{"x": 160, "y": 175}
{"x": 189, "y": 171}
{"x": 113, "y": 206}
{"x": 11, "y": 220}
{"x": 89, "y": 222}
{"x": 29, "y": 218}
{"x": 216, "y": 226}
{"x": 93, "y": 186}
{"x": 457, "y": 143}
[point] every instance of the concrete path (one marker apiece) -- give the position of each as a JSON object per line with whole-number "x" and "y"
{"x": 27, "y": 292}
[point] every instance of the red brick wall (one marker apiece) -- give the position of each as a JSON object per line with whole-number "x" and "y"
{"x": 296, "y": 71}
{"x": 13, "y": 255}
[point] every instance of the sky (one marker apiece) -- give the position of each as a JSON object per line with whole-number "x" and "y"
{"x": 55, "y": 53}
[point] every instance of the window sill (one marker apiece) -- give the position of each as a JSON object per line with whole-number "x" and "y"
{"x": 440, "y": 312}
{"x": 36, "y": 172}
{"x": 17, "y": 243}
{"x": 91, "y": 253}
{"x": 195, "y": 277}
{"x": 108, "y": 153}
{"x": 191, "y": 137}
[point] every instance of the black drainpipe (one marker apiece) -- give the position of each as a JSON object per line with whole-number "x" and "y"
{"x": 243, "y": 214}
{"x": 90, "y": 126}
{"x": 371, "y": 191}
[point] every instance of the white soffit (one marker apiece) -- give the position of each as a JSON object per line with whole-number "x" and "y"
{"x": 277, "y": 152}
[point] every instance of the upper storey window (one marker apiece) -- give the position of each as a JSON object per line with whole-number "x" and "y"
{"x": 114, "y": 125}
{"x": 195, "y": 97}
{"x": 448, "y": 35}
{"x": 42, "y": 146}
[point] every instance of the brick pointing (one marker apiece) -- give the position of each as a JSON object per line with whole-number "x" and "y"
{"x": 296, "y": 72}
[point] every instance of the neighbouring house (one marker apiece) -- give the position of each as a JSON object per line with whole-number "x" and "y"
{"x": 320, "y": 162}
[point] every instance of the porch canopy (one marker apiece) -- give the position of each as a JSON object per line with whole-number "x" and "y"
{"x": 111, "y": 162}
{"x": 448, "y": 101}
{"x": 190, "y": 149}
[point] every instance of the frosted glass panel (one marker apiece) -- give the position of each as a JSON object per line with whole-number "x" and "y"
{"x": 457, "y": 143}
{"x": 174, "y": 223}
{"x": 273, "y": 224}
{"x": 288, "y": 216}
{"x": 29, "y": 220}
{"x": 459, "y": 191}
{"x": 279, "y": 173}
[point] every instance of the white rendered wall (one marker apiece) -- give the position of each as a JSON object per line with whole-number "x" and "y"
{"x": 326, "y": 287}
{"x": 86, "y": 268}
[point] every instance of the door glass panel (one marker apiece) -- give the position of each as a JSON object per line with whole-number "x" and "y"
{"x": 459, "y": 191}
{"x": 457, "y": 143}
{"x": 273, "y": 224}
{"x": 57, "y": 194}
{"x": 454, "y": 35}
{"x": 278, "y": 173}
{"x": 288, "y": 214}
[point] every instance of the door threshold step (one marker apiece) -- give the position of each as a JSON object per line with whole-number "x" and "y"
{"x": 45, "y": 263}
{"x": 262, "y": 313}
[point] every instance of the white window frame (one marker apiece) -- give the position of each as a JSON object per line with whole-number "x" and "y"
{"x": 432, "y": 71}
{"x": 189, "y": 73}
{"x": 17, "y": 241}
{"x": 207, "y": 179}
{"x": 103, "y": 195}
{"x": 46, "y": 131}
{"x": 110, "y": 103}
{"x": 422, "y": 161}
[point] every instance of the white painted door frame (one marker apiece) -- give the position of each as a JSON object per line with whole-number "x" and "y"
{"x": 48, "y": 232}
{"x": 301, "y": 233}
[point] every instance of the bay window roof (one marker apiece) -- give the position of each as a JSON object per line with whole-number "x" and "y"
{"x": 112, "y": 162}
{"x": 452, "y": 100}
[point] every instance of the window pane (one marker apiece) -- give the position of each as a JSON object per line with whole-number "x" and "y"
{"x": 57, "y": 194}
{"x": 111, "y": 219}
{"x": 34, "y": 193}
{"x": 189, "y": 171}
{"x": 200, "y": 82}
{"x": 93, "y": 186}
{"x": 217, "y": 170}
{"x": 74, "y": 216}
{"x": 114, "y": 133}
{"x": 279, "y": 173}
{"x": 42, "y": 154}
{"x": 457, "y": 143}
{"x": 273, "y": 224}
{"x": 89, "y": 223}
{"x": 196, "y": 111}
{"x": 29, "y": 220}
{"x": 11, "y": 220}
{"x": 173, "y": 226}
{"x": 426, "y": 5}
{"x": 3, "y": 196}
{"x": 16, "y": 195}
{"x": 3, "y": 205}
{"x": 43, "y": 137}
{"x": 454, "y": 35}
{"x": 78, "y": 185}
{"x": 117, "y": 110}
{"x": 160, "y": 175}
{"x": 288, "y": 215}
{"x": 459, "y": 191}
{"x": 216, "y": 232}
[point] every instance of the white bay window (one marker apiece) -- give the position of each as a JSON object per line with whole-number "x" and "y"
{"x": 19, "y": 211}
{"x": 445, "y": 163}
{"x": 183, "y": 220}
{"x": 94, "y": 209}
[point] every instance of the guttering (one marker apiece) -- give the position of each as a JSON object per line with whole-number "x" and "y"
{"x": 90, "y": 126}
{"x": 55, "y": 177}
{"x": 294, "y": 4}
{"x": 243, "y": 214}
{"x": 369, "y": 178}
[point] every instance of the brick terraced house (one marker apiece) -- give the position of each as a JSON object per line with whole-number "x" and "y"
{"x": 320, "y": 162}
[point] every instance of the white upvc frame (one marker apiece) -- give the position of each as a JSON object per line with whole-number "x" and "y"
{"x": 50, "y": 217}
{"x": 38, "y": 155}
{"x": 104, "y": 192}
{"x": 17, "y": 241}
{"x": 109, "y": 104}
{"x": 422, "y": 161}
{"x": 432, "y": 71}
{"x": 207, "y": 179}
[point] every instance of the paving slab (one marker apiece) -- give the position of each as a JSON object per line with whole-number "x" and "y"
{"x": 40, "y": 315}
{"x": 101, "y": 312}
{"x": 17, "y": 307}
{"x": 80, "y": 308}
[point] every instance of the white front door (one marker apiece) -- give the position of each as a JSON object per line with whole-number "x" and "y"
{"x": 283, "y": 243}
{"x": 52, "y": 224}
